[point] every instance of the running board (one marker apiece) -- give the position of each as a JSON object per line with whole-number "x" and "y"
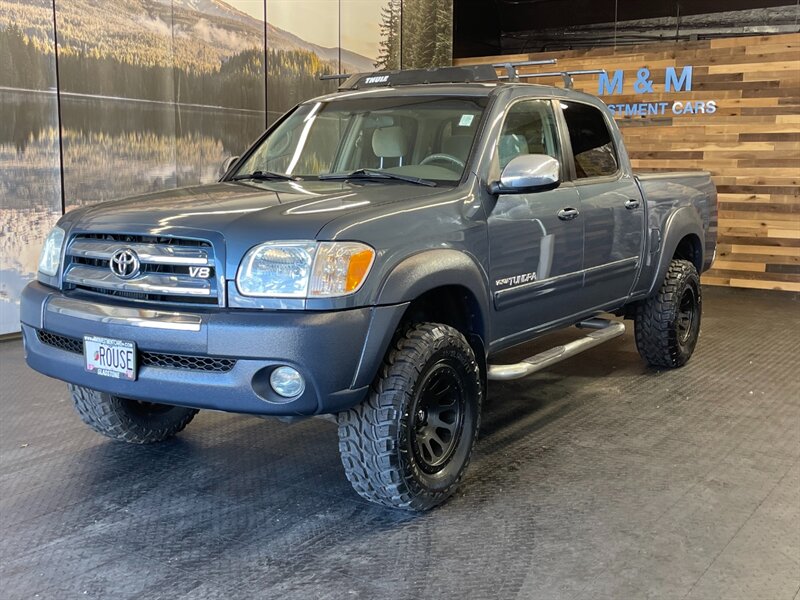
{"x": 605, "y": 330}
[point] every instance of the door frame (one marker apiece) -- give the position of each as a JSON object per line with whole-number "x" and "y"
{"x": 623, "y": 173}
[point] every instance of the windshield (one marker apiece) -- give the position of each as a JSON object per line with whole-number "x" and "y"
{"x": 421, "y": 136}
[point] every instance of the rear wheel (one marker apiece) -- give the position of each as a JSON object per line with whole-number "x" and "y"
{"x": 667, "y": 325}
{"x": 128, "y": 420}
{"x": 408, "y": 445}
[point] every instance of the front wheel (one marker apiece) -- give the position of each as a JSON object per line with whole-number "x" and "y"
{"x": 409, "y": 443}
{"x": 667, "y": 325}
{"x": 127, "y": 420}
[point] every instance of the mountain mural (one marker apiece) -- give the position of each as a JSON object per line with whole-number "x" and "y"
{"x": 197, "y": 35}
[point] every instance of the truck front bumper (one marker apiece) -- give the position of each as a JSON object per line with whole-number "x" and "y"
{"x": 219, "y": 359}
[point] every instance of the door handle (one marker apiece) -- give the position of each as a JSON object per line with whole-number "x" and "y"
{"x": 567, "y": 214}
{"x": 632, "y": 204}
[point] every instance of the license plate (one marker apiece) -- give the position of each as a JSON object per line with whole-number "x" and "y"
{"x": 109, "y": 357}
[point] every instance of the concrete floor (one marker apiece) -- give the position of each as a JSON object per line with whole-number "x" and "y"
{"x": 598, "y": 479}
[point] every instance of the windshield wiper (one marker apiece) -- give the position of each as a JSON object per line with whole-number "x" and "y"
{"x": 264, "y": 176}
{"x": 377, "y": 174}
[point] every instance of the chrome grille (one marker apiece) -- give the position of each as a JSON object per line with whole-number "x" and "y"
{"x": 168, "y": 268}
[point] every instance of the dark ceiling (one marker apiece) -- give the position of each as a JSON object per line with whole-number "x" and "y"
{"x": 483, "y": 27}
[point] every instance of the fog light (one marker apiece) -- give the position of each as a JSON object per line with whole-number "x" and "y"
{"x": 287, "y": 382}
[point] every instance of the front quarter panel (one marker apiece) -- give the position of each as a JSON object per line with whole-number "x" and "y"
{"x": 422, "y": 231}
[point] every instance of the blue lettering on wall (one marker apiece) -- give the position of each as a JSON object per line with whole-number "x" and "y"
{"x": 611, "y": 86}
{"x": 642, "y": 109}
{"x": 643, "y": 85}
{"x": 672, "y": 82}
{"x": 676, "y": 79}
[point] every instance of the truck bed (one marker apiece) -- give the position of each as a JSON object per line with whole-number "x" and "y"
{"x": 666, "y": 191}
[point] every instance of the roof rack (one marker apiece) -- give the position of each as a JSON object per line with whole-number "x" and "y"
{"x": 566, "y": 76}
{"x": 511, "y": 67}
{"x": 465, "y": 74}
{"x": 461, "y": 74}
{"x": 334, "y": 76}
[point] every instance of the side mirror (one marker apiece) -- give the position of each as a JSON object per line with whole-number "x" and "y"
{"x": 528, "y": 173}
{"x": 226, "y": 165}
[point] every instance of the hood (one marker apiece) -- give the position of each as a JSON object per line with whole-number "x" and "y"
{"x": 243, "y": 214}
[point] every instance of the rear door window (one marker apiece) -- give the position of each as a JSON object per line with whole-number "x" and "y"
{"x": 592, "y": 144}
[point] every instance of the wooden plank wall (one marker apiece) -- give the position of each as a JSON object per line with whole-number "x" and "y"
{"x": 751, "y": 144}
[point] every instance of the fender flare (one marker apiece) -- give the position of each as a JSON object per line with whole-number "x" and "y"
{"x": 682, "y": 222}
{"x": 431, "y": 269}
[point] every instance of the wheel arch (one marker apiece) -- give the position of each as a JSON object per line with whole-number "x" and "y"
{"x": 683, "y": 235}
{"x": 456, "y": 306}
{"x": 690, "y": 248}
{"x": 441, "y": 279}
{"x": 443, "y": 285}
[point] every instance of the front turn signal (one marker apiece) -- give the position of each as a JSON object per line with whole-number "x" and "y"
{"x": 340, "y": 268}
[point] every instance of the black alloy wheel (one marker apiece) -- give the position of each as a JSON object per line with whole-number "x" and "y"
{"x": 687, "y": 315}
{"x": 437, "y": 417}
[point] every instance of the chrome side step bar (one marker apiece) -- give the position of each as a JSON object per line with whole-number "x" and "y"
{"x": 605, "y": 330}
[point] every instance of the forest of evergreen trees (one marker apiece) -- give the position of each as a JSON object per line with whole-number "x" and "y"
{"x": 416, "y": 34}
{"x": 427, "y": 33}
{"x": 293, "y": 75}
{"x": 28, "y": 67}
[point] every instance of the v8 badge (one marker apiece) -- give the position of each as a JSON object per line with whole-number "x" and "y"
{"x": 201, "y": 272}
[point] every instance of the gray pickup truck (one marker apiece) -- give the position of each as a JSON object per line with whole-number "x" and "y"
{"x": 367, "y": 258}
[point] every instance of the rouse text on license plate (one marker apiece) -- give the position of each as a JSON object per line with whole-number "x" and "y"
{"x": 109, "y": 357}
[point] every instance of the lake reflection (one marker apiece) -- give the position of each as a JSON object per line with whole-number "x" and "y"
{"x": 112, "y": 149}
{"x": 119, "y": 148}
{"x": 30, "y": 192}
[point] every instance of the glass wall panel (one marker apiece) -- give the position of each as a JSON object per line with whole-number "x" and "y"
{"x": 30, "y": 185}
{"x": 117, "y": 111}
{"x": 302, "y": 44}
{"x": 370, "y": 35}
{"x": 220, "y": 98}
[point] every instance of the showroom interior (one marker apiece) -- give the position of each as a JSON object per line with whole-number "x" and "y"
{"x": 603, "y": 472}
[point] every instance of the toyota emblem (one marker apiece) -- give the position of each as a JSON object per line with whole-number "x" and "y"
{"x": 125, "y": 264}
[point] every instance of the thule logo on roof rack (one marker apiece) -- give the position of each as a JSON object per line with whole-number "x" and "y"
{"x": 377, "y": 79}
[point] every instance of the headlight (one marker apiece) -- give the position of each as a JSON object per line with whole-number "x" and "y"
{"x": 50, "y": 257}
{"x": 304, "y": 269}
{"x": 277, "y": 270}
